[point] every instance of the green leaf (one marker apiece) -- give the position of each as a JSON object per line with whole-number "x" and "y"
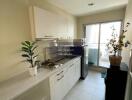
{"x": 30, "y": 47}
{"x": 25, "y": 55}
{"x": 31, "y": 53}
{"x": 35, "y": 56}
{"x": 34, "y": 48}
{"x": 33, "y": 43}
{"x": 25, "y": 48}
{"x": 29, "y": 60}
{"x": 28, "y": 42}
{"x": 24, "y": 44}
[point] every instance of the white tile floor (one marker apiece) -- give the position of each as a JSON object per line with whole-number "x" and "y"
{"x": 92, "y": 88}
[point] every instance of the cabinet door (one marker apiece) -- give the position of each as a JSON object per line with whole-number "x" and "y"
{"x": 57, "y": 86}
{"x": 71, "y": 76}
{"x": 47, "y": 24}
{"x": 78, "y": 70}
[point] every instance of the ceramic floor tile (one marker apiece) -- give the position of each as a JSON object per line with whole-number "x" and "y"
{"x": 92, "y": 88}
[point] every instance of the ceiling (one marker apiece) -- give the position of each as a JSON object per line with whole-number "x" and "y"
{"x": 80, "y": 7}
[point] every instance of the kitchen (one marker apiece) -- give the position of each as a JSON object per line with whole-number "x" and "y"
{"x": 22, "y": 19}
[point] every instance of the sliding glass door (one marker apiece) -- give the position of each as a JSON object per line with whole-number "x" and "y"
{"x": 97, "y": 36}
{"x": 92, "y": 35}
{"x": 105, "y": 34}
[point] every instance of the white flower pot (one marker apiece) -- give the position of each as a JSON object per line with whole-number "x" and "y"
{"x": 33, "y": 71}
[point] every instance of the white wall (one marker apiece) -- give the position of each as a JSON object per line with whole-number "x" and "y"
{"x": 112, "y": 15}
{"x": 128, "y": 18}
{"x": 14, "y": 28}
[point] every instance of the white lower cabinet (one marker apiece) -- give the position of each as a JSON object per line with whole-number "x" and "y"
{"x": 70, "y": 76}
{"x": 56, "y": 86}
{"x": 78, "y": 70}
{"x": 62, "y": 81}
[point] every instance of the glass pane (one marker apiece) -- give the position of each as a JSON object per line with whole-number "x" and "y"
{"x": 105, "y": 34}
{"x": 92, "y": 35}
{"x": 93, "y": 54}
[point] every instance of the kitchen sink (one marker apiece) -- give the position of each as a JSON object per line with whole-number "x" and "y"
{"x": 56, "y": 62}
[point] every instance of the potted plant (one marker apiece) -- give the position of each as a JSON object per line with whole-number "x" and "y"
{"x": 28, "y": 49}
{"x": 115, "y": 46}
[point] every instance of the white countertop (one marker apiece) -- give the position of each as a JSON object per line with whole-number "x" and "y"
{"x": 19, "y": 84}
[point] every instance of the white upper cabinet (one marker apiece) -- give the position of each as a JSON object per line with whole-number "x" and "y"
{"x": 45, "y": 23}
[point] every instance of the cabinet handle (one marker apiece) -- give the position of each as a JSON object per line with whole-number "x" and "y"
{"x": 59, "y": 73}
{"x": 60, "y": 78}
{"x": 48, "y": 36}
{"x": 71, "y": 65}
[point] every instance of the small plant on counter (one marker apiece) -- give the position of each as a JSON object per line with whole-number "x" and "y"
{"x": 28, "y": 49}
